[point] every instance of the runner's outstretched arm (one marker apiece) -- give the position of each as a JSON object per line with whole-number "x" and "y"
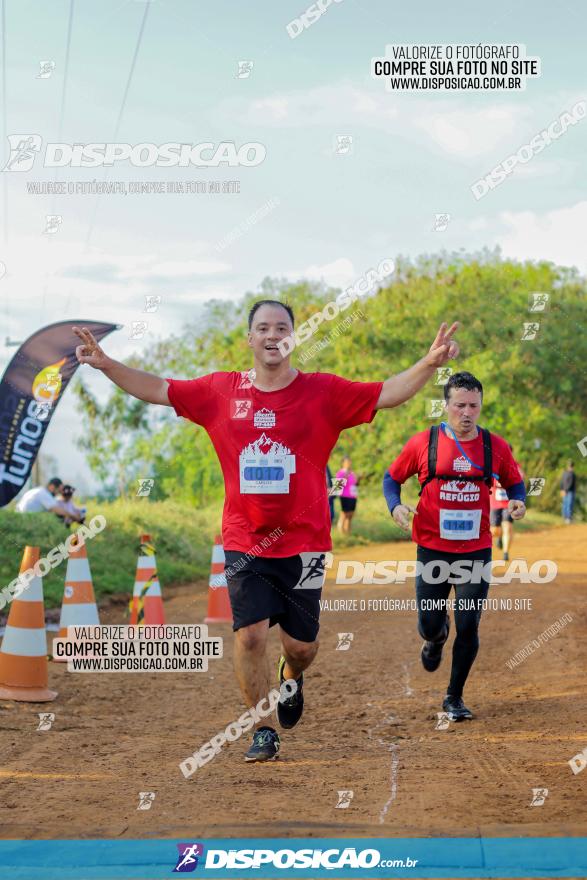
{"x": 400, "y": 388}
{"x": 144, "y": 386}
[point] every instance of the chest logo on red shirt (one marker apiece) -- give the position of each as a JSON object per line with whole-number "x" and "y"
{"x": 264, "y": 418}
{"x": 461, "y": 464}
{"x": 241, "y": 409}
{"x": 456, "y": 490}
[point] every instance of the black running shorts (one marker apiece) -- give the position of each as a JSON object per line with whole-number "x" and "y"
{"x": 499, "y": 515}
{"x": 285, "y": 591}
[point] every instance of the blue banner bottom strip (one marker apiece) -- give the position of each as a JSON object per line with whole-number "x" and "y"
{"x": 296, "y": 857}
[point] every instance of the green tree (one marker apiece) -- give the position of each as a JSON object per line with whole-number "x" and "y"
{"x": 534, "y": 390}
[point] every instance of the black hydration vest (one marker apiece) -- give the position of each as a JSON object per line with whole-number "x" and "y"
{"x": 433, "y": 451}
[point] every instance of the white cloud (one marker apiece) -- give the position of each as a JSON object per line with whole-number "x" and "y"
{"x": 275, "y": 108}
{"x": 450, "y": 124}
{"x": 339, "y": 273}
{"x": 557, "y": 235}
{"x": 323, "y": 105}
{"x": 467, "y": 133}
{"x": 543, "y": 168}
{"x": 177, "y": 269}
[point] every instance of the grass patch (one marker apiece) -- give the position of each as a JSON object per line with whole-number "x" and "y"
{"x": 183, "y": 544}
{"x": 183, "y": 540}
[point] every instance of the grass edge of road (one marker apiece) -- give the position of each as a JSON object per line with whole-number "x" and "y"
{"x": 183, "y": 538}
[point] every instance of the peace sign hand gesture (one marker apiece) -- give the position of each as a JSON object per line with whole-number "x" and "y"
{"x": 444, "y": 347}
{"x": 90, "y": 352}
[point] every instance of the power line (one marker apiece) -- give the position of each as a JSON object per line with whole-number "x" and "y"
{"x": 4, "y": 177}
{"x": 64, "y": 89}
{"x": 121, "y": 111}
{"x": 65, "y": 70}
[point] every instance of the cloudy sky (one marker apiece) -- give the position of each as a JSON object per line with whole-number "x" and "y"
{"x": 167, "y": 71}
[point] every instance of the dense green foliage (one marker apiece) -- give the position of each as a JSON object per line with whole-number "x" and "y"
{"x": 183, "y": 541}
{"x": 534, "y": 391}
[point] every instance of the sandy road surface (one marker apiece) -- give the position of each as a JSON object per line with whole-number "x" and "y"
{"x": 369, "y": 728}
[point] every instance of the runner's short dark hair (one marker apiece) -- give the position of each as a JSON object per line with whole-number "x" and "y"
{"x": 462, "y": 380}
{"x": 55, "y": 481}
{"x": 270, "y": 302}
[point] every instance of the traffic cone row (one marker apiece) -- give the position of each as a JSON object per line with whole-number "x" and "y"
{"x": 219, "y": 610}
{"x": 24, "y": 670}
{"x": 146, "y": 606}
{"x": 79, "y": 604}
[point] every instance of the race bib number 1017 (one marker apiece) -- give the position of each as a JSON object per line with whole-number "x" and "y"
{"x": 265, "y": 474}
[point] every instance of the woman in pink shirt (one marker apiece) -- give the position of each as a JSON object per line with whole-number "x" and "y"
{"x": 348, "y": 496}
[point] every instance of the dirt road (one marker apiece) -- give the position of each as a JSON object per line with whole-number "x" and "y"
{"x": 369, "y": 727}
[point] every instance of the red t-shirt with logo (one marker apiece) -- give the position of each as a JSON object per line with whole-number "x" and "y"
{"x": 498, "y": 500}
{"x": 453, "y": 515}
{"x": 273, "y": 447}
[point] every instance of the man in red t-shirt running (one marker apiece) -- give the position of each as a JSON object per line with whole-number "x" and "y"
{"x": 455, "y": 464}
{"x": 500, "y": 519}
{"x": 273, "y": 429}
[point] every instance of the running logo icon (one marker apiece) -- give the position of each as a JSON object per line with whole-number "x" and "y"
{"x": 241, "y": 409}
{"x": 187, "y": 860}
{"x": 344, "y": 641}
{"x": 247, "y": 378}
{"x": 338, "y": 485}
{"x": 47, "y": 68}
{"x": 313, "y": 572}
{"x": 530, "y": 331}
{"x": 23, "y": 150}
{"x": 152, "y": 303}
{"x": 138, "y": 329}
{"x": 343, "y": 145}
{"x": 441, "y": 222}
{"x": 245, "y": 69}
{"x": 442, "y": 721}
{"x": 344, "y": 799}
{"x": 443, "y": 374}
{"x": 46, "y": 719}
{"x": 52, "y": 223}
{"x": 539, "y": 795}
{"x": 539, "y": 302}
{"x": 536, "y": 485}
{"x": 435, "y": 408}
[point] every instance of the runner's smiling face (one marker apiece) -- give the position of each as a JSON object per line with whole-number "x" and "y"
{"x": 271, "y": 324}
{"x": 463, "y": 409}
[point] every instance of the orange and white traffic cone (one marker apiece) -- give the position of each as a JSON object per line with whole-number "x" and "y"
{"x": 219, "y": 610}
{"x": 79, "y": 604}
{"x": 24, "y": 670}
{"x": 146, "y": 603}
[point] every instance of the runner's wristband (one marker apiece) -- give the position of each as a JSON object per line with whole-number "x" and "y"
{"x": 392, "y": 491}
{"x": 517, "y": 492}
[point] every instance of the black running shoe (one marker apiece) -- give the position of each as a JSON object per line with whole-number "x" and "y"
{"x": 289, "y": 709}
{"x": 506, "y": 557}
{"x": 265, "y": 746}
{"x": 499, "y": 543}
{"x": 456, "y": 709}
{"x": 432, "y": 651}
